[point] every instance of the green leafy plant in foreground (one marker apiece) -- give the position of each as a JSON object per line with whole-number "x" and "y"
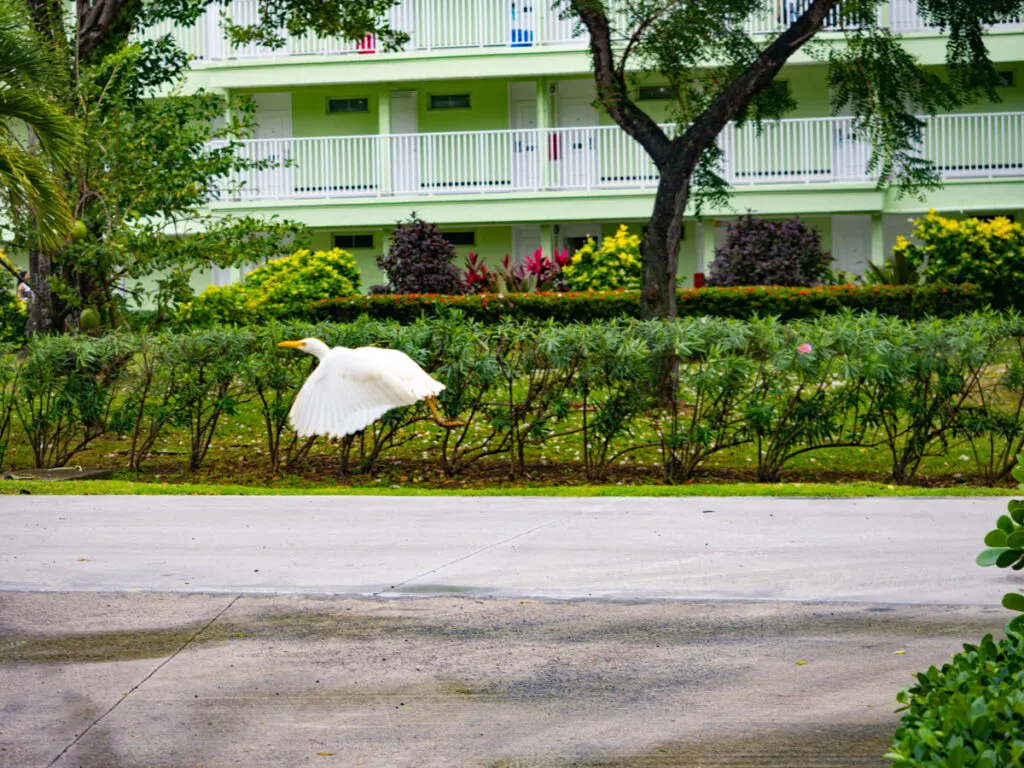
{"x": 969, "y": 713}
{"x": 1005, "y": 545}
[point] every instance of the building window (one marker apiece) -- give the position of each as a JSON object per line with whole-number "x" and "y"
{"x": 655, "y": 93}
{"x": 344, "y": 106}
{"x": 449, "y": 101}
{"x": 353, "y": 241}
{"x": 1005, "y": 78}
{"x": 460, "y": 238}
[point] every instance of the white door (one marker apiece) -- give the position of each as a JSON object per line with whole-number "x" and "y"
{"x": 273, "y": 134}
{"x": 576, "y": 139}
{"x": 851, "y": 244}
{"x": 525, "y": 157}
{"x": 405, "y": 168}
{"x": 525, "y": 240}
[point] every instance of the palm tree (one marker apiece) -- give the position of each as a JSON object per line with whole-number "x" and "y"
{"x": 37, "y": 139}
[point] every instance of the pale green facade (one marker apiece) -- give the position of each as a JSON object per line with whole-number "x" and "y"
{"x": 501, "y": 142}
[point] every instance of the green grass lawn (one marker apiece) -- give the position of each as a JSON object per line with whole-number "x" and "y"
{"x": 819, "y": 490}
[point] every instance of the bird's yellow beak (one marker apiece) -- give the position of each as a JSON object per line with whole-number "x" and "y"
{"x": 291, "y": 344}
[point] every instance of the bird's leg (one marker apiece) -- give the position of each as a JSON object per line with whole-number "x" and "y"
{"x": 432, "y": 405}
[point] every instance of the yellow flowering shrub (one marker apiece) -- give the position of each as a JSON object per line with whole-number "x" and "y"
{"x": 989, "y": 254}
{"x": 616, "y": 263}
{"x": 279, "y": 289}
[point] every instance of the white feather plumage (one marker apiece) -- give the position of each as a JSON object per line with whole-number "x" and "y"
{"x": 352, "y": 388}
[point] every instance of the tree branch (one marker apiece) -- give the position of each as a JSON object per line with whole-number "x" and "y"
{"x": 94, "y": 22}
{"x": 611, "y": 85}
{"x": 757, "y": 77}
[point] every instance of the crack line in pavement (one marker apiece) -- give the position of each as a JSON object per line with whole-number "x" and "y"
{"x": 138, "y": 685}
{"x": 478, "y": 551}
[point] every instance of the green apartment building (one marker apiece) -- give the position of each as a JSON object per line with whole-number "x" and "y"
{"x": 485, "y": 124}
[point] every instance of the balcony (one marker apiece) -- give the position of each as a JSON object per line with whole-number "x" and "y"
{"x": 434, "y": 25}
{"x": 812, "y": 151}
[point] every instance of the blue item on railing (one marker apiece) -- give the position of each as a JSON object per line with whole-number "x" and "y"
{"x": 522, "y": 38}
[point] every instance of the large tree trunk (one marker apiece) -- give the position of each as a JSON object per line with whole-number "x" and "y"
{"x": 661, "y": 248}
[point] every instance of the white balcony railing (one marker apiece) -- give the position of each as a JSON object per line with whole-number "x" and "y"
{"x": 803, "y": 151}
{"x": 452, "y": 24}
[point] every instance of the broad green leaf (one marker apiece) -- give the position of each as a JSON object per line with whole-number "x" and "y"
{"x": 1014, "y": 601}
{"x": 996, "y": 538}
{"x": 990, "y": 556}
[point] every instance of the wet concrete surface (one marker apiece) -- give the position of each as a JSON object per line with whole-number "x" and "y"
{"x": 173, "y": 681}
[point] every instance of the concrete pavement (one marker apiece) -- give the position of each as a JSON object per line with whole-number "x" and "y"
{"x": 882, "y": 550}
{"x": 598, "y": 633}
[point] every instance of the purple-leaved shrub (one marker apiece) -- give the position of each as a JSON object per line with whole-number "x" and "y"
{"x": 761, "y": 252}
{"x": 420, "y": 261}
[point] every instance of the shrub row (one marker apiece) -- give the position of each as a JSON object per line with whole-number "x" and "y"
{"x": 905, "y": 301}
{"x": 784, "y": 389}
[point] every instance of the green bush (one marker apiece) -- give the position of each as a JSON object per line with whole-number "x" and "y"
{"x": 968, "y": 713}
{"x": 989, "y": 254}
{"x": 615, "y": 263}
{"x": 279, "y": 289}
{"x": 832, "y": 383}
{"x": 903, "y": 301}
{"x": 12, "y": 311}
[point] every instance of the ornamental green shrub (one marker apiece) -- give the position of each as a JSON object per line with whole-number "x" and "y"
{"x": 989, "y": 254}
{"x": 615, "y": 263}
{"x": 762, "y": 252}
{"x": 279, "y": 289}
{"x": 968, "y": 713}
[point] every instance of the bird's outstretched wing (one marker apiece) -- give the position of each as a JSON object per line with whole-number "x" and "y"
{"x": 352, "y": 388}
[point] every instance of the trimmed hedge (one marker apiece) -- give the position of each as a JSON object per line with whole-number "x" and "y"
{"x": 905, "y": 301}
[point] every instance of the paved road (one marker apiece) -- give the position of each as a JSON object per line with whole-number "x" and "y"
{"x": 222, "y": 632}
{"x": 869, "y": 550}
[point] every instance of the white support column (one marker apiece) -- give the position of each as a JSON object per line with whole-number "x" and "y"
{"x": 877, "y": 240}
{"x": 384, "y": 146}
{"x": 544, "y": 138}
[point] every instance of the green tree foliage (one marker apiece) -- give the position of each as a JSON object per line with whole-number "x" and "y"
{"x": 719, "y": 73}
{"x": 36, "y": 137}
{"x": 152, "y": 165}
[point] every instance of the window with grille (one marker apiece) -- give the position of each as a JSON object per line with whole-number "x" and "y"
{"x": 345, "y": 106}
{"x": 449, "y": 101}
{"x": 353, "y": 241}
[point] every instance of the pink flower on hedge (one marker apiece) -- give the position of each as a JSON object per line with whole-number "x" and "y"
{"x": 804, "y": 348}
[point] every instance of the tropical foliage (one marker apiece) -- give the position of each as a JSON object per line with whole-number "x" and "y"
{"x": 836, "y": 383}
{"x": 280, "y": 288}
{"x": 614, "y": 264}
{"x": 29, "y": 181}
{"x": 988, "y": 253}
{"x": 529, "y": 274}
{"x": 420, "y": 261}
{"x": 763, "y": 252}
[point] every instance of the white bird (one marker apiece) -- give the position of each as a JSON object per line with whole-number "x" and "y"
{"x": 352, "y": 388}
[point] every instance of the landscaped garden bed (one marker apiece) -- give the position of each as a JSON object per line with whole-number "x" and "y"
{"x": 843, "y": 398}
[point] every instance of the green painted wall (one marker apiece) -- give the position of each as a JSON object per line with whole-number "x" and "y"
{"x": 310, "y": 116}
